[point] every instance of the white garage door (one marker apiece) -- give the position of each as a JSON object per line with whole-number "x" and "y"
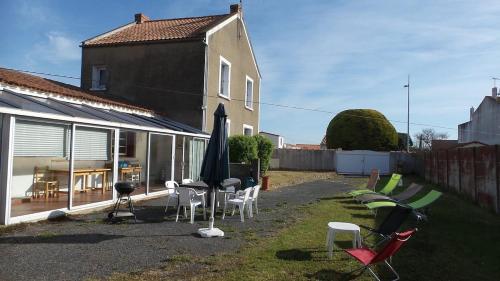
{"x": 361, "y": 162}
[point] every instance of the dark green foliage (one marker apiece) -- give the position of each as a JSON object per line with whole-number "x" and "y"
{"x": 402, "y": 141}
{"x": 242, "y": 149}
{"x": 264, "y": 151}
{"x": 357, "y": 129}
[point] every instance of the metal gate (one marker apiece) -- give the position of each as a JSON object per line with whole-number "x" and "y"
{"x": 361, "y": 162}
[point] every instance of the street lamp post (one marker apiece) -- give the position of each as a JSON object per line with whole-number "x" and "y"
{"x": 407, "y": 86}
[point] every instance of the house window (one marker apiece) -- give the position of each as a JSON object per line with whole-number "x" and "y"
{"x": 99, "y": 77}
{"x": 249, "y": 94}
{"x": 228, "y": 127}
{"x": 224, "y": 78}
{"x": 247, "y": 130}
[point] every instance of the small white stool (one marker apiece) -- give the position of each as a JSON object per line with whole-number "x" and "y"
{"x": 334, "y": 227}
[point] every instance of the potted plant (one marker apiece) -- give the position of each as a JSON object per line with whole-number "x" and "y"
{"x": 264, "y": 152}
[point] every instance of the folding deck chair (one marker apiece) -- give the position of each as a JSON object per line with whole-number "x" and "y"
{"x": 368, "y": 257}
{"x": 403, "y": 196}
{"x": 421, "y": 203}
{"x": 388, "y": 188}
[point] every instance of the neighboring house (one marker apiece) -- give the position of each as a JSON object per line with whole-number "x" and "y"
{"x": 451, "y": 144}
{"x": 182, "y": 68}
{"x": 443, "y": 144}
{"x": 308, "y": 146}
{"x": 63, "y": 149}
{"x": 277, "y": 140}
{"x": 483, "y": 125}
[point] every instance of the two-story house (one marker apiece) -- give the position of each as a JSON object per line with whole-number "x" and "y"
{"x": 181, "y": 68}
{"x": 483, "y": 124}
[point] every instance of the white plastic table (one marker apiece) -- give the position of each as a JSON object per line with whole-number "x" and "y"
{"x": 334, "y": 227}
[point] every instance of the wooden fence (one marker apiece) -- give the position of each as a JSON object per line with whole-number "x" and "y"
{"x": 473, "y": 172}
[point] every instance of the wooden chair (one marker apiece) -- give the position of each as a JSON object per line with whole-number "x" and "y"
{"x": 44, "y": 182}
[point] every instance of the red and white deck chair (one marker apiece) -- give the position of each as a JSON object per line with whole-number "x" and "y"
{"x": 368, "y": 257}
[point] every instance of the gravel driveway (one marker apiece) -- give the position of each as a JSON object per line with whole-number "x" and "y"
{"x": 86, "y": 246}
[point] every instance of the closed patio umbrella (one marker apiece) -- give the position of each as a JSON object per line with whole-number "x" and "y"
{"x": 215, "y": 167}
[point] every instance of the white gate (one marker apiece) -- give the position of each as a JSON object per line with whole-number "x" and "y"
{"x": 361, "y": 162}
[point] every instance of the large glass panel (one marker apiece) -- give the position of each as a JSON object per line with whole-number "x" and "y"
{"x": 40, "y": 172}
{"x": 160, "y": 166}
{"x": 132, "y": 158}
{"x": 93, "y": 171}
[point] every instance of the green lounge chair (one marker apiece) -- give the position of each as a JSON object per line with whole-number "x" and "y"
{"x": 423, "y": 202}
{"x": 388, "y": 188}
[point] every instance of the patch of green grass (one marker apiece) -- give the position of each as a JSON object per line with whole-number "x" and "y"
{"x": 46, "y": 234}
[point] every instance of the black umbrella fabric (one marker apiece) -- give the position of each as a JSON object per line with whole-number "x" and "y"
{"x": 215, "y": 166}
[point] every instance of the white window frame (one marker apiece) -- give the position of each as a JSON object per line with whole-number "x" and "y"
{"x": 95, "y": 78}
{"x": 225, "y": 61}
{"x": 245, "y": 126}
{"x": 228, "y": 126}
{"x": 246, "y": 93}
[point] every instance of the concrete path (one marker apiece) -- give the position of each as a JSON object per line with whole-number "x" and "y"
{"x": 88, "y": 247}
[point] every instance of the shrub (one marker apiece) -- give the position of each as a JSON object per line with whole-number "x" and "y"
{"x": 264, "y": 151}
{"x": 242, "y": 149}
{"x": 361, "y": 129}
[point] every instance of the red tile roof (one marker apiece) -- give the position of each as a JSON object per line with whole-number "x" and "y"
{"x": 24, "y": 80}
{"x": 157, "y": 30}
{"x": 308, "y": 146}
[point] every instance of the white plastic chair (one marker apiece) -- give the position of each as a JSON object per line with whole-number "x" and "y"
{"x": 171, "y": 191}
{"x": 239, "y": 199}
{"x": 188, "y": 197}
{"x": 253, "y": 200}
{"x": 230, "y": 190}
{"x": 184, "y": 181}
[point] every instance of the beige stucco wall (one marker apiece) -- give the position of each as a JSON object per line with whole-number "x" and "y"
{"x": 225, "y": 43}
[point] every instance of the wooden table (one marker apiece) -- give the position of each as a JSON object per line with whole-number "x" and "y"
{"x": 130, "y": 170}
{"x": 84, "y": 173}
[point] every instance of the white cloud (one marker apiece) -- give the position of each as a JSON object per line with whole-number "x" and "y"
{"x": 56, "y": 48}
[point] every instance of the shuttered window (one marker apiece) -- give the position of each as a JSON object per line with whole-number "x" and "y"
{"x": 92, "y": 144}
{"x": 34, "y": 139}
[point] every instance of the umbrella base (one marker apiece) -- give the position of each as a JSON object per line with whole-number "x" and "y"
{"x": 210, "y": 232}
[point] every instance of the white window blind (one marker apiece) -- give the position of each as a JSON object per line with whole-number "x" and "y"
{"x": 92, "y": 144}
{"x": 35, "y": 139}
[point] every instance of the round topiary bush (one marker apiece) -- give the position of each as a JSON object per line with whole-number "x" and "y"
{"x": 357, "y": 129}
{"x": 242, "y": 149}
{"x": 264, "y": 151}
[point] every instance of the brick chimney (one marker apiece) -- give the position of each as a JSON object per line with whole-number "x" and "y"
{"x": 235, "y": 8}
{"x": 140, "y": 18}
{"x": 494, "y": 92}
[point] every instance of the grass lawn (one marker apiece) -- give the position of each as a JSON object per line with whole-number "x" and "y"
{"x": 459, "y": 242}
{"x": 286, "y": 178}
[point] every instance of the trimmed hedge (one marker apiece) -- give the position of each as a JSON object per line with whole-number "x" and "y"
{"x": 242, "y": 149}
{"x": 360, "y": 129}
{"x": 264, "y": 151}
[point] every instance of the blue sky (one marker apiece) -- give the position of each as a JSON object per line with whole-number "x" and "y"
{"x": 325, "y": 55}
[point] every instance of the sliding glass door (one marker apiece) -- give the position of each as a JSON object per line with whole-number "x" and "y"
{"x": 93, "y": 165}
{"x": 161, "y": 161}
{"x": 40, "y": 168}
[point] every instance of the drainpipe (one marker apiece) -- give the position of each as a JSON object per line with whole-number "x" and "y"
{"x": 205, "y": 89}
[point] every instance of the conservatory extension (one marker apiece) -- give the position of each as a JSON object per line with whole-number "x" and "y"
{"x": 62, "y": 152}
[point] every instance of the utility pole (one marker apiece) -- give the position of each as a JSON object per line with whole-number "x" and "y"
{"x": 407, "y": 86}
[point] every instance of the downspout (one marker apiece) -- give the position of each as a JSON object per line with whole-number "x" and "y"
{"x": 205, "y": 88}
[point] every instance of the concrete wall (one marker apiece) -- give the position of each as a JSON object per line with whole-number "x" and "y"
{"x": 307, "y": 160}
{"x": 166, "y": 77}
{"x": 324, "y": 160}
{"x": 236, "y": 50}
{"x": 472, "y": 172}
{"x": 483, "y": 126}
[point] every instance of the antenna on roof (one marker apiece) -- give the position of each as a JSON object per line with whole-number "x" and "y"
{"x": 495, "y": 81}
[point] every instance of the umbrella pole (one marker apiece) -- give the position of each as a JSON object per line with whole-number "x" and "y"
{"x": 211, "y": 231}
{"x": 212, "y": 211}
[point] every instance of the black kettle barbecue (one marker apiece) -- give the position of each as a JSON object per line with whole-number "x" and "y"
{"x": 124, "y": 190}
